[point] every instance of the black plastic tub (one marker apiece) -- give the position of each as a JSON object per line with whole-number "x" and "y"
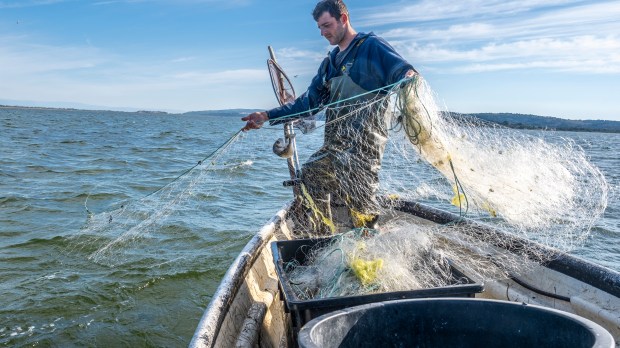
{"x": 452, "y": 322}
{"x": 302, "y": 311}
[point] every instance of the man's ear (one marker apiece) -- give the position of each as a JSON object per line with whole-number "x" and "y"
{"x": 344, "y": 18}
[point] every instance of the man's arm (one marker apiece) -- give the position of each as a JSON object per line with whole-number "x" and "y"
{"x": 304, "y": 105}
{"x": 382, "y": 66}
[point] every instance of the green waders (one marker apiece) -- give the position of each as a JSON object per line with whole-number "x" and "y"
{"x": 345, "y": 170}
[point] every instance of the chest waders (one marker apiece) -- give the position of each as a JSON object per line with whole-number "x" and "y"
{"x": 345, "y": 170}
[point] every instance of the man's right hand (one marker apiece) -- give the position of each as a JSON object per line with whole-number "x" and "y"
{"x": 254, "y": 120}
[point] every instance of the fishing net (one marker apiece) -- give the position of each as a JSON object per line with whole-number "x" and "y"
{"x": 530, "y": 185}
{"x": 363, "y": 261}
{"x": 135, "y": 229}
{"x": 370, "y": 154}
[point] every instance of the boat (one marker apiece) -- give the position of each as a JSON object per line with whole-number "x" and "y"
{"x": 250, "y": 308}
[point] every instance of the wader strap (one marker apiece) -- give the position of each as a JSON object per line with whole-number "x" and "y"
{"x": 350, "y": 59}
{"x": 346, "y": 64}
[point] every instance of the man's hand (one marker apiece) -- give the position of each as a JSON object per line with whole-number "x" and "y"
{"x": 410, "y": 73}
{"x": 255, "y": 120}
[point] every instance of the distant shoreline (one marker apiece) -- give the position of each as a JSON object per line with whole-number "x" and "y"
{"x": 75, "y": 109}
{"x": 510, "y": 120}
{"x": 535, "y": 122}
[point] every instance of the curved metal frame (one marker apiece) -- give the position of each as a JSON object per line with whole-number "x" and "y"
{"x": 278, "y": 79}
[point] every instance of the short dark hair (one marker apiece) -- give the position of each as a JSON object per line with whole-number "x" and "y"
{"x": 335, "y": 8}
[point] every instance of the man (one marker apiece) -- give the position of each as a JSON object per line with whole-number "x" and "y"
{"x": 351, "y": 81}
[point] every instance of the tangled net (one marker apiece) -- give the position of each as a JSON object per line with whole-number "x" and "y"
{"x": 363, "y": 261}
{"x": 531, "y": 186}
{"x": 545, "y": 191}
{"x": 113, "y": 237}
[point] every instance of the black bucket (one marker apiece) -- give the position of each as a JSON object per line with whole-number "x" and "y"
{"x": 451, "y": 322}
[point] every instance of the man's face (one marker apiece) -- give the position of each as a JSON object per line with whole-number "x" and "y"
{"x": 331, "y": 28}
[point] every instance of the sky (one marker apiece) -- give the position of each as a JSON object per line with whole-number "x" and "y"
{"x": 557, "y": 58}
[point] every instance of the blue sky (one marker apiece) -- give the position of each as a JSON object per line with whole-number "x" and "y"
{"x": 547, "y": 57}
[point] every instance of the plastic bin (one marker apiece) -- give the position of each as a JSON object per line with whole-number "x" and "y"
{"x": 452, "y": 322}
{"x": 302, "y": 311}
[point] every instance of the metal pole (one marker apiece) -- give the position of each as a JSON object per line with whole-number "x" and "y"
{"x": 289, "y": 133}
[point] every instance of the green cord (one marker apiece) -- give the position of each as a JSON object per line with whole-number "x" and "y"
{"x": 230, "y": 140}
{"x": 389, "y": 88}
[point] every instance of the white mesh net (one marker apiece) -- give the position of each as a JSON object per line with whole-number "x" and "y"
{"x": 532, "y": 186}
{"x": 378, "y": 151}
{"x": 130, "y": 230}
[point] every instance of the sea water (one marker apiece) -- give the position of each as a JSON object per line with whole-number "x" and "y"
{"x": 58, "y": 165}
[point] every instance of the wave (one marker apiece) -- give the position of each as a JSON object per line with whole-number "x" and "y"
{"x": 17, "y": 259}
{"x": 41, "y": 169}
{"x": 70, "y": 141}
{"x": 165, "y": 134}
{"x": 99, "y": 196}
{"x": 231, "y": 166}
{"x": 58, "y": 241}
{"x": 169, "y": 148}
{"x": 209, "y": 273}
{"x": 12, "y": 199}
{"x": 92, "y": 171}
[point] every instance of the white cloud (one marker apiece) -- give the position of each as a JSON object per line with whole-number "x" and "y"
{"x": 85, "y": 74}
{"x": 588, "y": 66}
{"x": 443, "y": 37}
{"x": 300, "y": 65}
{"x": 582, "y": 38}
{"x": 183, "y": 59}
{"x": 437, "y": 10}
{"x": 581, "y": 20}
{"x": 221, "y": 77}
{"x": 579, "y": 54}
{"x": 175, "y": 2}
{"x": 146, "y": 90}
{"x": 37, "y": 58}
{"x": 29, "y": 3}
{"x": 296, "y": 53}
{"x": 470, "y": 31}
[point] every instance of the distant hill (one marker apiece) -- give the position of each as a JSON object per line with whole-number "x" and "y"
{"x": 2, "y": 106}
{"x": 511, "y": 120}
{"x": 522, "y": 121}
{"x": 61, "y": 106}
{"x": 227, "y": 112}
{"x": 519, "y": 121}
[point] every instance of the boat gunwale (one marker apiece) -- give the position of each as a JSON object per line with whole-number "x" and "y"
{"x": 212, "y": 319}
{"x": 595, "y": 275}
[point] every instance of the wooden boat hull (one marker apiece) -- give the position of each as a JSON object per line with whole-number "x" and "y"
{"x": 247, "y": 309}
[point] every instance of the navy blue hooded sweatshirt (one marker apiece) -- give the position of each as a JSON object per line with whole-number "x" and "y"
{"x": 375, "y": 65}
